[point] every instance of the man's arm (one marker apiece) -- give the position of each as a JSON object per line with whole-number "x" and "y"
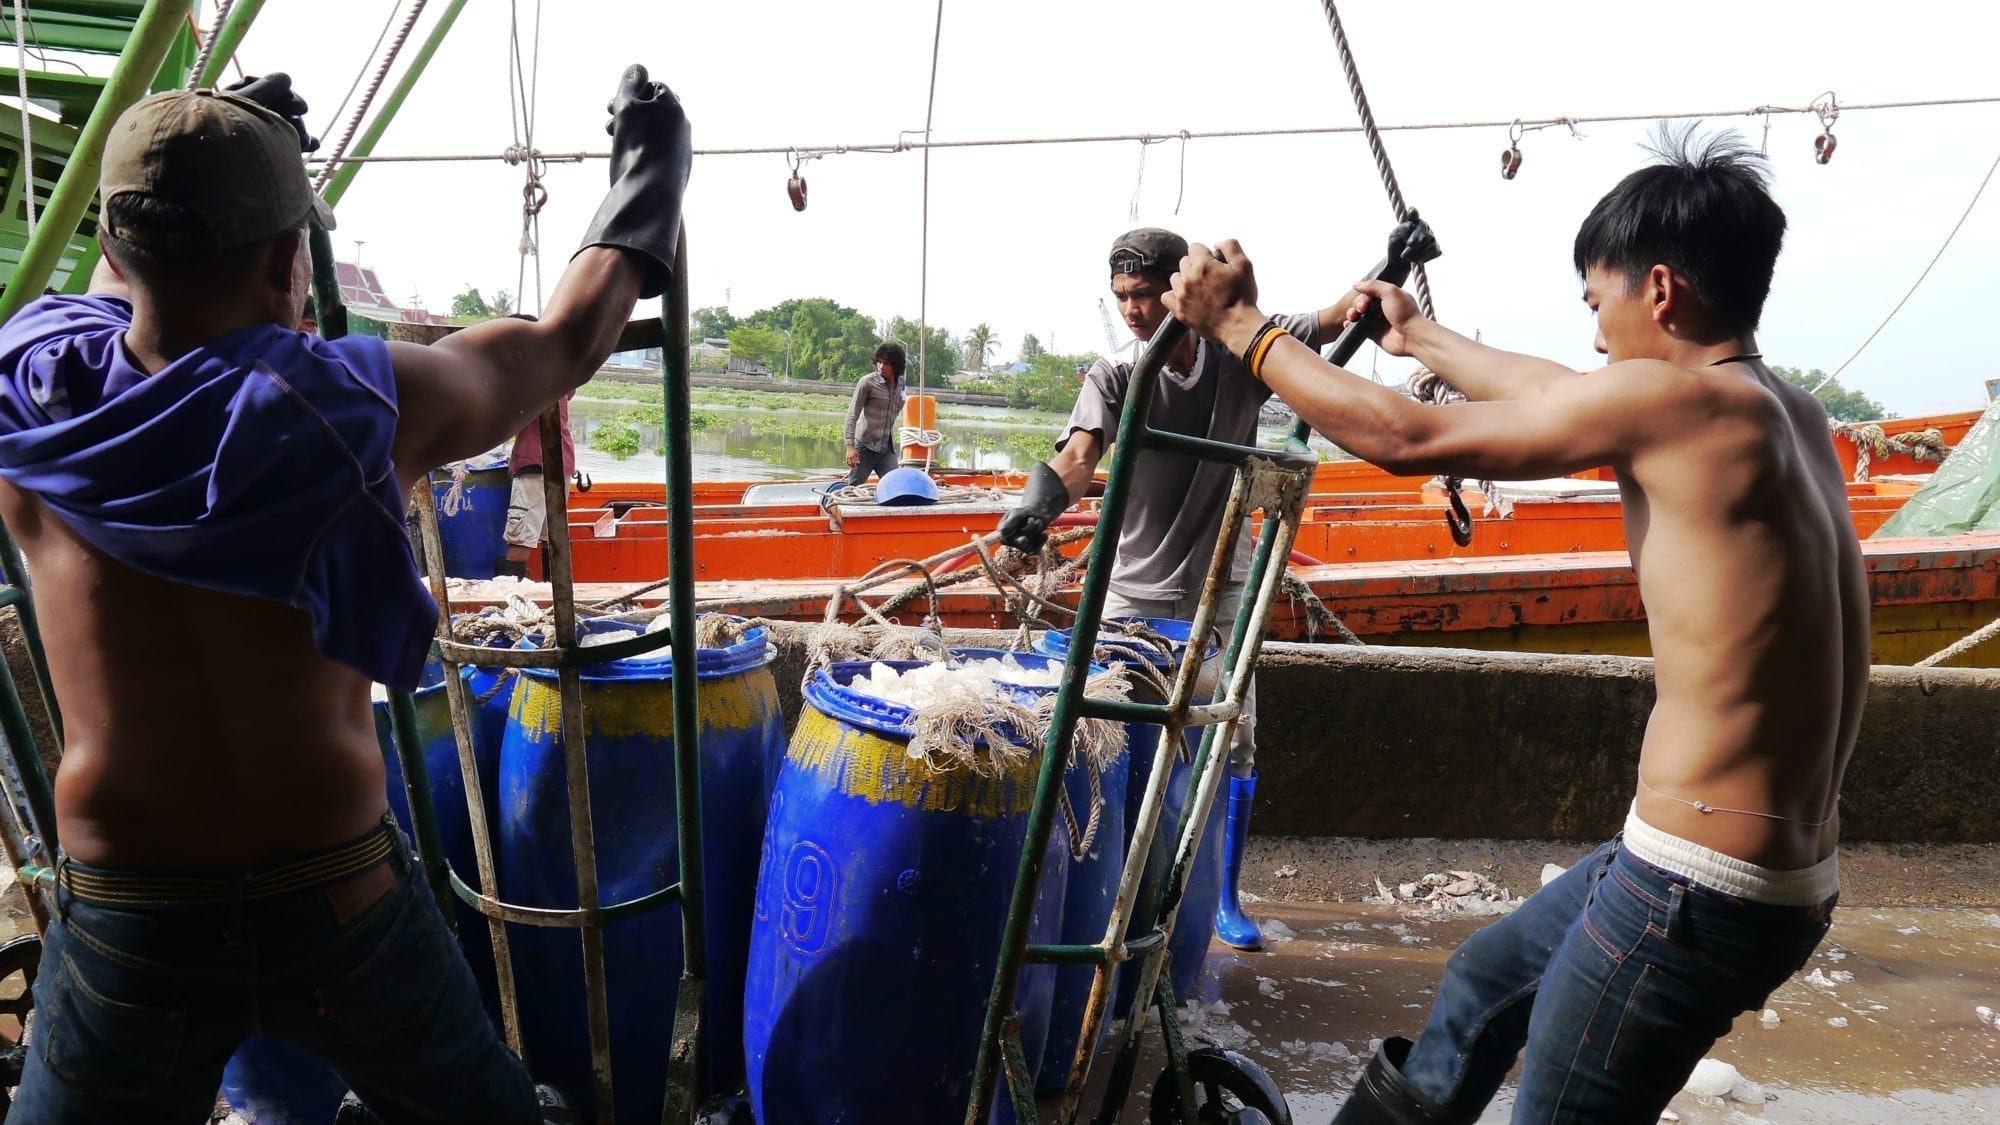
{"x": 475, "y": 389}
{"x": 1483, "y": 373}
{"x": 1582, "y": 422}
{"x": 855, "y": 406}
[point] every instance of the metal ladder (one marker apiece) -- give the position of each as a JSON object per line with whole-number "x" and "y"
{"x": 1277, "y": 483}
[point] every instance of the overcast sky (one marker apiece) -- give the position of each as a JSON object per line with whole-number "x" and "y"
{"x": 1018, "y": 235}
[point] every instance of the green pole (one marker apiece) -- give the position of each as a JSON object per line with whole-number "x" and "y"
{"x": 345, "y": 175}
{"x": 228, "y": 39}
{"x": 152, "y": 37}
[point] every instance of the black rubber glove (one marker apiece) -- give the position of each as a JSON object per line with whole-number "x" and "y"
{"x": 651, "y": 152}
{"x": 1026, "y": 528}
{"x": 274, "y": 92}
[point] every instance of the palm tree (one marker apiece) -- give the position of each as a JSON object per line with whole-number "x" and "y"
{"x": 978, "y": 342}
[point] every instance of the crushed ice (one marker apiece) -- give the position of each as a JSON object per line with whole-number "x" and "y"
{"x": 927, "y": 685}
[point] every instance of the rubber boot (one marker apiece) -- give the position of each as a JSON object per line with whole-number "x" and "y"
{"x": 509, "y": 568}
{"x": 1231, "y": 924}
{"x": 549, "y": 1102}
{"x": 1382, "y": 1096}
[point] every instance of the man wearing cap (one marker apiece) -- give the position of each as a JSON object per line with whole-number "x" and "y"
{"x": 1175, "y": 508}
{"x": 213, "y": 502}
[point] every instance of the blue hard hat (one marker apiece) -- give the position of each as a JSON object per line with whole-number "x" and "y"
{"x": 906, "y": 486}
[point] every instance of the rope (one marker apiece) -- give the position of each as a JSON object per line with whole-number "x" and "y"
{"x": 207, "y": 42}
{"x": 339, "y": 153}
{"x": 524, "y": 83}
{"x": 1419, "y": 281}
{"x": 1870, "y": 442}
{"x": 904, "y": 144}
{"x": 1920, "y": 277}
{"x": 27, "y": 122}
{"x": 924, "y": 267}
{"x": 1979, "y": 637}
{"x": 454, "y": 497}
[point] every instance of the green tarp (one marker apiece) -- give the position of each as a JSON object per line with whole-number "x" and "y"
{"x": 1963, "y": 495}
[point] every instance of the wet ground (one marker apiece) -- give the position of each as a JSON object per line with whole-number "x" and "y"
{"x": 1881, "y": 1026}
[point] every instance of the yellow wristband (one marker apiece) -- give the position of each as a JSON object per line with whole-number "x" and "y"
{"x": 1263, "y": 349}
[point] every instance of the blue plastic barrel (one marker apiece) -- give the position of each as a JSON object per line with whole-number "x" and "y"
{"x": 472, "y": 532}
{"x": 487, "y": 693}
{"x": 270, "y": 1082}
{"x": 880, "y": 906}
{"x": 1194, "y": 922}
{"x": 629, "y": 715}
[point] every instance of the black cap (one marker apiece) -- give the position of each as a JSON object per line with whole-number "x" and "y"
{"x": 1148, "y": 250}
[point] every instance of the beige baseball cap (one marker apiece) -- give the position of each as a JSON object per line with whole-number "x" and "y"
{"x": 230, "y": 162}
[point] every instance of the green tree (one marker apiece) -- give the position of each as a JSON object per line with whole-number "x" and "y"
{"x": 1031, "y": 349}
{"x": 1050, "y": 383}
{"x": 978, "y": 342}
{"x": 711, "y": 323}
{"x": 758, "y": 345}
{"x": 940, "y": 358}
{"x": 471, "y": 303}
{"x": 829, "y": 341}
{"x": 1842, "y": 405}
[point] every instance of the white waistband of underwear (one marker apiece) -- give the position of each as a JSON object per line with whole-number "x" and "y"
{"x": 1709, "y": 868}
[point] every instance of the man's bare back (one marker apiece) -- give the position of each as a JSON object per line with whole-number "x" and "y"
{"x": 205, "y": 732}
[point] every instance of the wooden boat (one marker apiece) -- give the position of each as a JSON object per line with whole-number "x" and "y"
{"x": 756, "y": 532}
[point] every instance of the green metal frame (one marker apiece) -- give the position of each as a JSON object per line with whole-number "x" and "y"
{"x": 1276, "y": 483}
{"x": 687, "y": 1064}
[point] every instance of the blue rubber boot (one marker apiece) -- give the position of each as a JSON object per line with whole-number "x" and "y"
{"x": 1231, "y": 924}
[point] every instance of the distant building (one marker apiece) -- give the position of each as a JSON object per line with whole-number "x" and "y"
{"x": 365, "y": 294}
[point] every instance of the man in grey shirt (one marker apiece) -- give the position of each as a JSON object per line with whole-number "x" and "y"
{"x": 1174, "y": 512}
{"x": 874, "y": 415}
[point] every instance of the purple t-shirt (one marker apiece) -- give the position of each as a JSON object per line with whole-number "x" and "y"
{"x": 258, "y": 464}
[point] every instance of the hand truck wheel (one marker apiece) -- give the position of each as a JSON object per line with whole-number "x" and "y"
{"x": 1228, "y": 1088}
{"x": 21, "y": 957}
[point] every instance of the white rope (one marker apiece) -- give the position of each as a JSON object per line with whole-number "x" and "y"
{"x": 904, "y": 144}
{"x": 924, "y": 269}
{"x": 27, "y": 122}
{"x": 523, "y": 97}
{"x": 207, "y": 43}
{"x": 1920, "y": 277}
{"x": 1979, "y": 637}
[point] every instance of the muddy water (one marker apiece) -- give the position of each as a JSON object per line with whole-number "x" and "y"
{"x": 1911, "y": 1049}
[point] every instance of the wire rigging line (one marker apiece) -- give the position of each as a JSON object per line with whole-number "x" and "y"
{"x": 904, "y": 144}
{"x": 339, "y": 154}
{"x": 924, "y": 269}
{"x": 27, "y": 122}
{"x": 361, "y": 73}
{"x": 1920, "y": 277}
{"x": 524, "y": 81}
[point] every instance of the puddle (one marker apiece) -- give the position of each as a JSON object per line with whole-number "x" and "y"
{"x": 1906, "y": 981}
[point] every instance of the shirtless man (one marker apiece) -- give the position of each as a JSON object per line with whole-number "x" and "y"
{"x": 211, "y": 506}
{"x": 1619, "y": 976}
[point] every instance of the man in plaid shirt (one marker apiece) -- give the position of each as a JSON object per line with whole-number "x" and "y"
{"x": 874, "y": 416}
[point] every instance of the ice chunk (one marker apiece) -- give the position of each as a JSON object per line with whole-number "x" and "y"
{"x": 1769, "y": 1017}
{"x": 1837, "y": 1021}
{"x": 1551, "y": 872}
{"x": 1276, "y": 931}
{"x": 1822, "y": 979}
{"x": 1984, "y": 1013}
{"x": 1712, "y": 1078}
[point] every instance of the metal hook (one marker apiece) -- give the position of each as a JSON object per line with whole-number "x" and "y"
{"x": 1459, "y": 519}
{"x": 1514, "y": 133}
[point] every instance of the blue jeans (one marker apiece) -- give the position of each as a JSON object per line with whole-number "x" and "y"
{"x": 1617, "y": 977}
{"x": 138, "y": 1007}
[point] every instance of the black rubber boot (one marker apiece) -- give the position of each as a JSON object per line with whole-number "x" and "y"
{"x": 1382, "y": 1096}
{"x": 555, "y": 1108}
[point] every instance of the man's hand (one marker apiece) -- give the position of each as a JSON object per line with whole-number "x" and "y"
{"x": 853, "y": 456}
{"x": 274, "y": 92}
{"x": 1400, "y": 315}
{"x": 1026, "y": 528}
{"x": 652, "y": 151}
{"x": 1215, "y": 294}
